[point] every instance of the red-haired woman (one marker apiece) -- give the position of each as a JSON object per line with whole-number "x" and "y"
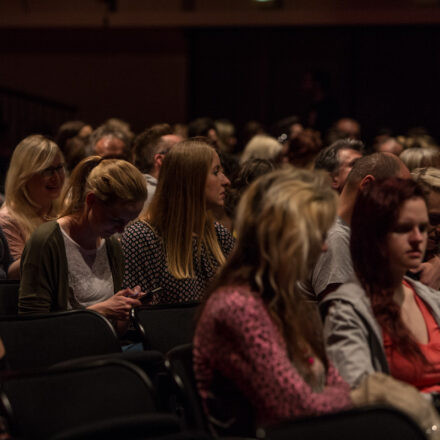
{"x": 384, "y": 321}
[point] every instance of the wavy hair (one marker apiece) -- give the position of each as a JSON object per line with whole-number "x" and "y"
{"x": 282, "y": 220}
{"x": 375, "y": 214}
{"x": 178, "y": 210}
{"x": 108, "y": 179}
{"x": 31, "y": 156}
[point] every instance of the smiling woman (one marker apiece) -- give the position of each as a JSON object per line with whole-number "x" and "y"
{"x": 75, "y": 262}
{"x": 33, "y": 185}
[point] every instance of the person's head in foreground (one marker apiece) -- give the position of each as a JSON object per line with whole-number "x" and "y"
{"x": 389, "y": 236}
{"x": 255, "y": 329}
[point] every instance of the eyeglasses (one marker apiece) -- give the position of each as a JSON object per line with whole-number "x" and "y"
{"x": 50, "y": 171}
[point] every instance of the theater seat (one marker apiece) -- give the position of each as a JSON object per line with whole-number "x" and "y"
{"x": 165, "y": 326}
{"x": 101, "y": 393}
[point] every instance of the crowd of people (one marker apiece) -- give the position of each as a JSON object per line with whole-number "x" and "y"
{"x": 316, "y": 259}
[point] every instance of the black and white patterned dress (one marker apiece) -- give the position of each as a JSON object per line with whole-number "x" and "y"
{"x": 146, "y": 266}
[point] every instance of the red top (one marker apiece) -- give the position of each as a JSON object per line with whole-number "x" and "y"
{"x": 425, "y": 377}
{"x": 236, "y": 337}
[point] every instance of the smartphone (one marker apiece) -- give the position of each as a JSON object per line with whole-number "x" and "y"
{"x": 145, "y": 299}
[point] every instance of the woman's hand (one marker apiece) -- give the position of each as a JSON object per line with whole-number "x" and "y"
{"x": 119, "y": 305}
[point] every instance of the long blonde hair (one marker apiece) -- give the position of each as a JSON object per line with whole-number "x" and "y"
{"x": 281, "y": 224}
{"x": 108, "y": 179}
{"x": 31, "y": 156}
{"x": 178, "y": 210}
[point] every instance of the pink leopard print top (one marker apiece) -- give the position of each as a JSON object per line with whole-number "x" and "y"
{"x": 236, "y": 337}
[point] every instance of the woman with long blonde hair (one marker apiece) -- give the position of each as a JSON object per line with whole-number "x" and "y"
{"x": 34, "y": 183}
{"x": 255, "y": 329}
{"x": 175, "y": 248}
{"x": 76, "y": 261}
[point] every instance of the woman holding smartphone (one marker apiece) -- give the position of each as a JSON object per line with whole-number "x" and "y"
{"x": 76, "y": 261}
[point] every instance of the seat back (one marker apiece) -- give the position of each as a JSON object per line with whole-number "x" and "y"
{"x": 41, "y": 405}
{"x": 230, "y": 413}
{"x": 165, "y": 326}
{"x": 9, "y": 297}
{"x": 35, "y": 341}
{"x": 359, "y": 424}
{"x": 180, "y": 363}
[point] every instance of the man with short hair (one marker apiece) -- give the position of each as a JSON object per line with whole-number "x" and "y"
{"x": 106, "y": 141}
{"x": 150, "y": 147}
{"x": 338, "y": 160}
{"x": 334, "y": 266}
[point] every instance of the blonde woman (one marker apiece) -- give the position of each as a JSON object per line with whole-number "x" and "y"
{"x": 175, "y": 248}
{"x": 34, "y": 183}
{"x": 255, "y": 329}
{"x": 76, "y": 261}
{"x": 420, "y": 157}
{"x": 263, "y": 146}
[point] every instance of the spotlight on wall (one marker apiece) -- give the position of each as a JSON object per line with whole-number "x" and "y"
{"x": 268, "y": 4}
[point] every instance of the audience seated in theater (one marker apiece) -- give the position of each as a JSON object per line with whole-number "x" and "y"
{"x": 34, "y": 182}
{"x": 175, "y": 248}
{"x": 255, "y": 331}
{"x": 75, "y": 150}
{"x": 421, "y": 157}
{"x": 344, "y": 128}
{"x": 388, "y": 144}
{"x": 249, "y": 171}
{"x": 303, "y": 148}
{"x": 250, "y": 129}
{"x": 286, "y": 129}
{"x": 384, "y": 321}
{"x": 226, "y": 135}
{"x": 150, "y": 148}
{"x": 429, "y": 271}
{"x": 338, "y": 160}
{"x": 334, "y": 267}
{"x": 203, "y": 127}
{"x": 76, "y": 261}
{"x": 417, "y": 137}
{"x": 120, "y": 125}
{"x": 181, "y": 130}
{"x": 71, "y": 129}
{"x": 263, "y": 146}
{"x": 106, "y": 141}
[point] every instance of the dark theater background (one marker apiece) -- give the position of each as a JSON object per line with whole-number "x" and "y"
{"x": 173, "y": 60}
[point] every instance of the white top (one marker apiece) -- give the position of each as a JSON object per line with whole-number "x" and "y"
{"x": 151, "y": 189}
{"x": 90, "y": 276}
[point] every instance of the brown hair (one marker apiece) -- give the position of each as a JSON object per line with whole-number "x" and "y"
{"x": 178, "y": 210}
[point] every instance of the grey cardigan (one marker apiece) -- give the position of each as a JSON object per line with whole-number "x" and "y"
{"x": 352, "y": 335}
{"x": 44, "y": 285}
